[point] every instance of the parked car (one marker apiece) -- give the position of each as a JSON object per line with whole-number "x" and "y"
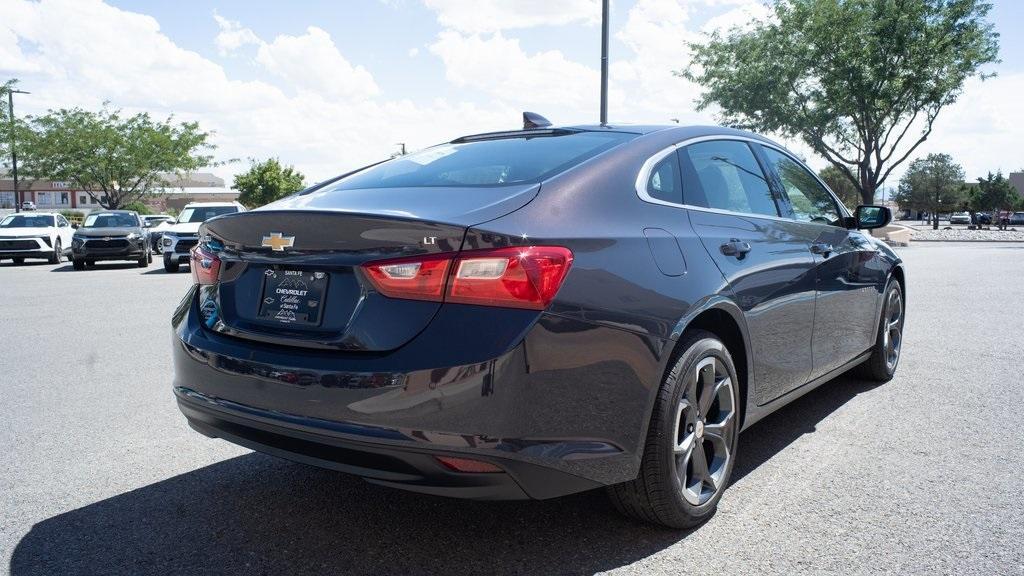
{"x": 1017, "y": 219}
{"x": 960, "y": 218}
{"x": 538, "y": 312}
{"x": 28, "y": 205}
{"x": 984, "y": 218}
{"x": 110, "y": 235}
{"x": 39, "y": 235}
{"x": 155, "y": 224}
{"x": 180, "y": 237}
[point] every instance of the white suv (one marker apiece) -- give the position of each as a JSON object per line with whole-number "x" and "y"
{"x": 184, "y": 234}
{"x": 36, "y": 235}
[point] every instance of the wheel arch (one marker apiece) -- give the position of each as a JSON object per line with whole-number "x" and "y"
{"x": 901, "y": 277}
{"x": 723, "y": 318}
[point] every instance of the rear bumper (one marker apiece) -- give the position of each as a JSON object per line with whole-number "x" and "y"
{"x": 559, "y": 405}
{"x": 319, "y": 444}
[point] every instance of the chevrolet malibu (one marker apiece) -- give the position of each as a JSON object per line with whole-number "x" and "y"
{"x": 538, "y": 312}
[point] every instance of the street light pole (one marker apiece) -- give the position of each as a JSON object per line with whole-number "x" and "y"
{"x": 604, "y": 61}
{"x": 14, "y": 153}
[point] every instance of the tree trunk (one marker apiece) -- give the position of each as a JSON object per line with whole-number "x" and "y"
{"x": 867, "y": 188}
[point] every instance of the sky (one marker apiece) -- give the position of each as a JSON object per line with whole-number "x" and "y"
{"x": 329, "y": 86}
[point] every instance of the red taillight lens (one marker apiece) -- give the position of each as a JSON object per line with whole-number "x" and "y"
{"x": 526, "y": 277}
{"x": 523, "y": 277}
{"x": 205, "y": 265}
{"x": 410, "y": 278}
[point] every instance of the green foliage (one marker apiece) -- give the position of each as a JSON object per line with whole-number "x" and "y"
{"x": 72, "y": 214}
{"x": 842, "y": 186}
{"x": 267, "y": 181}
{"x": 116, "y": 160}
{"x": 934, "y": 184}
{"x": 860, "y": 81}
{"x": 993, "y": 193}
{"x": 138, "y": 206}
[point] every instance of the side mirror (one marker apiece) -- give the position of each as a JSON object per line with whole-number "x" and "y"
{"x": 74, "y": 225}
{"x": 871, "y": 217}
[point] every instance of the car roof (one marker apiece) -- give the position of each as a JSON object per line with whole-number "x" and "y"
{"x": 680, "y": 132}
{"x": 190, "y": 204}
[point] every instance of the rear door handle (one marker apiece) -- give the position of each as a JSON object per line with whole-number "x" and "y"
{"x": 736, "y": 247}
{"x": 822, "y": 248}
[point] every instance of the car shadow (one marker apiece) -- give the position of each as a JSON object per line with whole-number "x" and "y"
{"x": 254, "y": 514}
{"x": 11, "y": 264}
{"x": 99, "y": 266}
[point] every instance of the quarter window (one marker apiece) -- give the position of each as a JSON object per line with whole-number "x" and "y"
{"x": 810, "y": 200}
{"x": 663, "y": 183}
{"x": 729, "y": 178}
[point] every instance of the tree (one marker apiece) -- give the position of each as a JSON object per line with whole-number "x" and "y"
{"x": 115, "y": 160}
{"x": 933, "y": 183}
{"x": 267, "y": 181}
{"x": 994, "y": 193}
{"x": 860, "y": 81}
{"x": 841, "y": 185}
{"x": 16, "y": 131}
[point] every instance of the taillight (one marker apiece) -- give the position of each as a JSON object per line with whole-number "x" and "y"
{"x": 410, "y": 278}
{"x": 521, "y": 277}
{"x": 205, "y": 265}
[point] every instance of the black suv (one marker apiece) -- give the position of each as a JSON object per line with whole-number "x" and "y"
{"x": 110, "y": 235}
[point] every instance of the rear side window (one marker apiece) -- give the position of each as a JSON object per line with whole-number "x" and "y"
{"x": 810, "y": 201}
{"x": 728, "y": 177}
{"x": 490, "y": 162}
{"x": 663, "y": 183}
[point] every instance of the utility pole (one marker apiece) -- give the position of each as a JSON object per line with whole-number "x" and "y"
{"x": 604, "y": 61}
{"x": 14, "y": 154}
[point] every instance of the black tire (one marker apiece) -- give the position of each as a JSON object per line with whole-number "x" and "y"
{"x": 90, "y": 263}
{"x": 149, "y": 257}
{"x": 169, "y": 266}
{"x": 657, "y": 494}
{"x": 78, "y": 264}
{"x": 880, "y": 366}
{"x": 18, "y": 261}
{"x": 58, "y": 253}
{"x": 143, "y": 260}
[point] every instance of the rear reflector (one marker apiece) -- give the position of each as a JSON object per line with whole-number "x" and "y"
{"x": 520, "y": 277}
{"x": 467, "y": 465}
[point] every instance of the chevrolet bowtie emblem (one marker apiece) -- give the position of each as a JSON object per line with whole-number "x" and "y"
{"x": 277, "y": 242}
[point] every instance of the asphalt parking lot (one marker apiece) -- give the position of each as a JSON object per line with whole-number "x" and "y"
{"x": 101, "y": 475}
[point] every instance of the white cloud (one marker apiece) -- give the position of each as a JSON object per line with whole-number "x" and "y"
{"x": 982, "y": 130}
{"x": 500, "y": 67}
{"x": 414, "y": 52}
{"x": 232, "y": 35}
{"x": 312, "y": 62}
{"x": 323, "y": 128}
{"x": 474, "y": 16}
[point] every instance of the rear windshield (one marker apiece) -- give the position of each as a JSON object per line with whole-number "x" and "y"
{"x": 204, "y": 213}
{"x": 495, "y": 162}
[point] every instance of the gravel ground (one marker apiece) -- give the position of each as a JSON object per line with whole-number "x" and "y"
{"x": 102, "y": 476}
{"x": 959, "y": 233}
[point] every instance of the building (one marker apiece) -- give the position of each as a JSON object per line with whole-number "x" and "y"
{"x": 56, "y": 195}
{"x": 1017, "y": 181}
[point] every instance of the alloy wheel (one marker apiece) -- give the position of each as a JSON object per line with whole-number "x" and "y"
{"x": 705, "y": 427}
{"x": 892, "y": 331}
